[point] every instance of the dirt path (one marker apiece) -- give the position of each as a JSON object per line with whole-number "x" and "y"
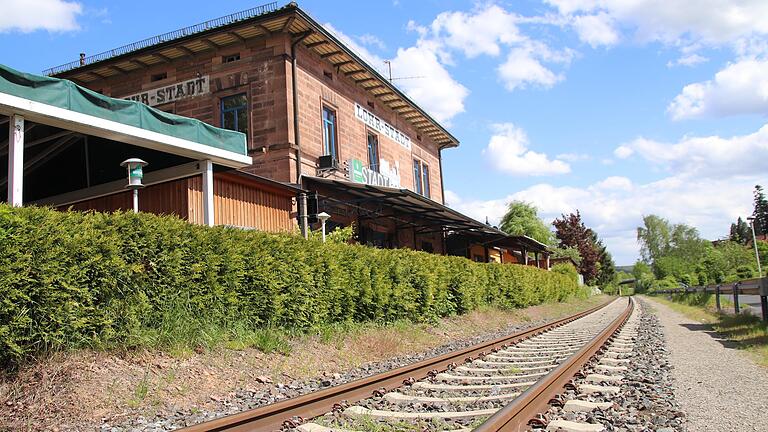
{"x": 719, "y": 388}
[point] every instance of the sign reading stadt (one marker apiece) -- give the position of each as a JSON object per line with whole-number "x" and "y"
{"x": 359, "y": 173}
{"x": 181, "y": 90}
{"x": 381, "y": 126}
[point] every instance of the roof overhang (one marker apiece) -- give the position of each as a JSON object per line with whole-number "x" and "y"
{"x": 262, "y": 21}
{"x": 97, "y": 126}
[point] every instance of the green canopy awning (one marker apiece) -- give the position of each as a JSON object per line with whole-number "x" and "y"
{"x": 65, "y": 94}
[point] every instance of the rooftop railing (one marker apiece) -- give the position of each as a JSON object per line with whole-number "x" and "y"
{"x": 166, "y": 37}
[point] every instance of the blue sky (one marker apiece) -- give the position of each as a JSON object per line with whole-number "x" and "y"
{"x": 618, "y": 108}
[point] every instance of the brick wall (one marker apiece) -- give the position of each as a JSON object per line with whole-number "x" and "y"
{"x": 263, "y": 74}
{"x": 341, "y": 93}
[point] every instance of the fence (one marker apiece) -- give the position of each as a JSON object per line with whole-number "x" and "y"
{"x": 756, "y": 286}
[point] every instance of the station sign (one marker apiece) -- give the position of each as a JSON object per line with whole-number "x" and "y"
{"x": 171, "y": 93}
{"x": 360, "y": 173}
{"x": 382, "y": 127}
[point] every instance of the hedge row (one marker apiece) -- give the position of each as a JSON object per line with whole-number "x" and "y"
{"x": 71, "y": 279}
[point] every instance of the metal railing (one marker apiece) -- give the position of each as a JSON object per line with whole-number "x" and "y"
{"x": 166, "y": 37}
{"x": 756, "y": 286}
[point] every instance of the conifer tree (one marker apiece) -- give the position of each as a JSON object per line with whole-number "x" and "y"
{"x": 761, "y": 211}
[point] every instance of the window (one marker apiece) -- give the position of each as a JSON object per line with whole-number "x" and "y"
{"x": 230, "y": 58}
{"x": 373, "y": 152}
{"x": 158, "y": 77}
{"x": 417, "y": 176}
{"x": 329, "y": 133}
{"x": 421, "y": 178}
{"x": 234, "y": 113}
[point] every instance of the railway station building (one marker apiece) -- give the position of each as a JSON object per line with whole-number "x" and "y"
{"x": 319, "y": 124}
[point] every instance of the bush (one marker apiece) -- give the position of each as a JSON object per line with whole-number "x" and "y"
{"x": 123, "y": 280}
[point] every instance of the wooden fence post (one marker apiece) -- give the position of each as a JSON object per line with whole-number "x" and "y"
{"x": 717, "y": 297}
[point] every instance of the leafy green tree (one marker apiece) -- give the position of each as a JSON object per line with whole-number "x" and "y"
{"x": 673, "y": 250}
{"x": 567, "y": 252}
{"x": 761, "y": 211}
{"x": 643, "y": 275}
{"x": 762, "y": 250}
{"x": 522, "y": 219}
{"x": 654, "y": 237}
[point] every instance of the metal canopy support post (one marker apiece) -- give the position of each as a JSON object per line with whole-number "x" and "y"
{"x": 16, "y": 160}
{"x": 208, "y": 192}
{"x": 548, "y": 265}
{"x": 303, "y": 222}
{"x": 736, "y": 287}
{"x": 536, "y": 255}
{"x": 525, "y": 256}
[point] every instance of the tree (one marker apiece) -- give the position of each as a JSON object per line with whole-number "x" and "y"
{"x": 571, "y": 232}
{"x": 522, "y": 219}
{"x": 740, "y": 232}
{"x": 567, "y": 252}
{"x": 673, "y": 250}
{"x": 761, "y": 211}
{"x": 654, "y": 237}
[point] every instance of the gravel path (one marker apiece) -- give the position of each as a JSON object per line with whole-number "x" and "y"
{"x": 719, "y": 388}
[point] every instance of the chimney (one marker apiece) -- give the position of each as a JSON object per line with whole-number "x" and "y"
{"x": 82, "y": 59}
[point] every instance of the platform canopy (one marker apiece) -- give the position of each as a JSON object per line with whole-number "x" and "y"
{"x": 66, "y": 105}
{"x": 421, "y": 213}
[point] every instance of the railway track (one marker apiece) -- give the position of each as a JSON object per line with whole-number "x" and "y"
{"x": 500, "y": 385}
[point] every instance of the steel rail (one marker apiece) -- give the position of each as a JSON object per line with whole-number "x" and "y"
{"x": 271, "y": 417}
{"x": 515, "y": 416}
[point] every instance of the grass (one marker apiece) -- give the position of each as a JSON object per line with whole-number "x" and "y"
{"x": 748, "y": 330}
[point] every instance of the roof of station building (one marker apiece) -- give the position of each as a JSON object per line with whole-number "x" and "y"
{"x": 239, "y": 27}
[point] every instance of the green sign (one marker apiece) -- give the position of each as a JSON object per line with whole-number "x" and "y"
{"x": 360, "y": 173}
{"x": 356, "y": 171}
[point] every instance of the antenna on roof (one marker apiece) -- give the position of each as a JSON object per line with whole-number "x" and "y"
{"x": 389, "y": 66}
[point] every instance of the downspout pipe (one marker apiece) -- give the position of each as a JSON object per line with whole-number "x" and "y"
{"x": 295, "y": 94}
{"x": 440, "y": 163}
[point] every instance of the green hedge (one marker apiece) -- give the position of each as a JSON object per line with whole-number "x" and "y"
{"x": 72, "y": 279}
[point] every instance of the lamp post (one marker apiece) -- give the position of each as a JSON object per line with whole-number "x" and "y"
{"x": 323, "y": 217}
{"x": 754, "y": 243}
{"x": 135, "y": 174}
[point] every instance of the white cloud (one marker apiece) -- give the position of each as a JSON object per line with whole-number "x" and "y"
{"x": 739, "y": 88}
{"x": 573, "y": 157}
{"x": 491, "y": 30}
{"x": 478, "y": 33}
{"x": 623, "y": 152}
{"x": 596, "y": 30}
{"x": 435, "y": 90}
{"x": 432, "y": 87}
{"x": 508, "y": 151}
{"x": 614, "y": 207}
{"x": 522, "y": 69}
{"x": 615, "y": 183}
{"x": 30, "y": 15}
{"x": 688, "y": 60}
{"x": 673, "y": 21}
{"x": 372, "y": 40}
{"x": 706, "y": 157}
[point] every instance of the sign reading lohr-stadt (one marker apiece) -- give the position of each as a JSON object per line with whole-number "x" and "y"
{"x": 171, "y": 93}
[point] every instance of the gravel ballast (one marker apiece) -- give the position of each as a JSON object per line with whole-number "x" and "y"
{"x": 719, "y": 388}
{"x": 645, "y": 400}
{"x": 245, "y": 399}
